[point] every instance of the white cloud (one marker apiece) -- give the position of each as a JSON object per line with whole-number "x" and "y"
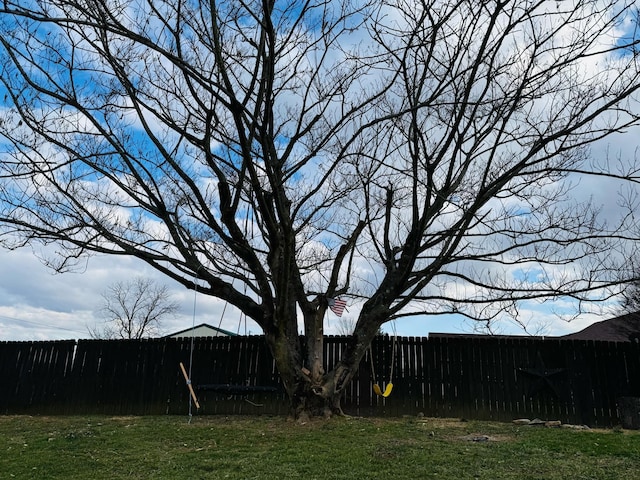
{"x": 36, "y": 304}
{"x": 32, "y": 299}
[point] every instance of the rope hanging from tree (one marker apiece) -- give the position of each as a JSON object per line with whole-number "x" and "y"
{"x": 193, "y": 399}
{"x": 227, "y": 389}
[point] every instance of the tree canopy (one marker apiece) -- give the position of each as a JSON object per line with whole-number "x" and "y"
{"x": 411, "y": 157}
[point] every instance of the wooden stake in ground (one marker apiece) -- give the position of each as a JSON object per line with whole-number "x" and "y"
{"x": 188, "y": 380}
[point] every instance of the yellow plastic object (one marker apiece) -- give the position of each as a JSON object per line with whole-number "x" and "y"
{"x": 387, "y": 391}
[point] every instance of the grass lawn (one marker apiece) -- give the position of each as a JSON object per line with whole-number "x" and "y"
{"x": 76, "y": 447}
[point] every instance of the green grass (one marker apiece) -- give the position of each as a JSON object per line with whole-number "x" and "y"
{"x": 275, "y": 448}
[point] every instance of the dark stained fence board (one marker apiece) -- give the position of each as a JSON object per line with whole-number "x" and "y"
{"x": 511, "y": 386}
{"x": 453, "y": 378}
{"x": 33, "y": 376}
{"x": 469, "y": 377}
{"x": 240, "y": 363}
{"x": 632, "y": 364}
{"x": 433, "y": 378}
{"x": 592, "y": 397}
{"x": 415, "y": 360}
{"x": 601, "y": 374}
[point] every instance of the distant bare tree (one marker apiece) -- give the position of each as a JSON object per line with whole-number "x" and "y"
{"x": 345, "y": 325}
{"x": 631, "y": 298}
{"x": 134, "y": 309}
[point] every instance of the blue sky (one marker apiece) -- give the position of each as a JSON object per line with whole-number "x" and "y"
{"x": 36, "y": 304}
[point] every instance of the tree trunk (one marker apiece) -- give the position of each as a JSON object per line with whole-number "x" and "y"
{"x": 305, "y": 383}
{"x": 311, "y": 391}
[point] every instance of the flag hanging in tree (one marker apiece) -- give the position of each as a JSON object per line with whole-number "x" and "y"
{"x": 336, "y": 305}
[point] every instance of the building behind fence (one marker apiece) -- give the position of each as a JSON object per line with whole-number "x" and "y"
{"x": 579, "y": 382}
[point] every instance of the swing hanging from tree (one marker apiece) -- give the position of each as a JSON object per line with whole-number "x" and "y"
{"x": 236, "y": 389}
{"x": 337, "y": 306}
{"x": 225, "y": 388}
{"x": 389, "y": 387}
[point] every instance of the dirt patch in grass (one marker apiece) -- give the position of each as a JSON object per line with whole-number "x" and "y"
{"x": 481, "y": 438}
{"x": 451, "y": 429}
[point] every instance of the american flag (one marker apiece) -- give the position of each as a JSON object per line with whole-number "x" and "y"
{"x": 336, "y": 305}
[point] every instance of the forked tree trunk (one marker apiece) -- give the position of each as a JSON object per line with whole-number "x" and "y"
{"x": 311, "y": 391}
{"x": 320, "y": 399}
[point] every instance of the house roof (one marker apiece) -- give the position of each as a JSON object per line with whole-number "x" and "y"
{"x": 477, "y": 335}
{"x": 625, "y": 328}
{"x": 202, "y": 330}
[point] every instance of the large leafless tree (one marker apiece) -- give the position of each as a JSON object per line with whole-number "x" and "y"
{"x": 410, "y": 157}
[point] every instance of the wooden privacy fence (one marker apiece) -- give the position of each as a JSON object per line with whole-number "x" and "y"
{"x": 578, "y": 382}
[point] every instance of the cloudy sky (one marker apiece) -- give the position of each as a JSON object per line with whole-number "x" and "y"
{"x": 37, "y": 304}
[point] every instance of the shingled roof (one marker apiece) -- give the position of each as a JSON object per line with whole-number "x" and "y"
{"x": 202, "y": 330}
{"x": 625, "y": 328}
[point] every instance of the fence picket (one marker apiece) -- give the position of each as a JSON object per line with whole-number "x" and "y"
{"x": 470, "y": 377}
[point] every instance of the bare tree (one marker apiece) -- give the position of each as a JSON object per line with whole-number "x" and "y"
{"x": 134, "y": 309}
{"x": 631, "y": 298}
{"x": 413, "y": 158}
{"x": 630, "y": 294}
{"x": 345, "y": 325}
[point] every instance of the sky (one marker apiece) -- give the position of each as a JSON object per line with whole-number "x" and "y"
{"x": 38, "y": 304}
